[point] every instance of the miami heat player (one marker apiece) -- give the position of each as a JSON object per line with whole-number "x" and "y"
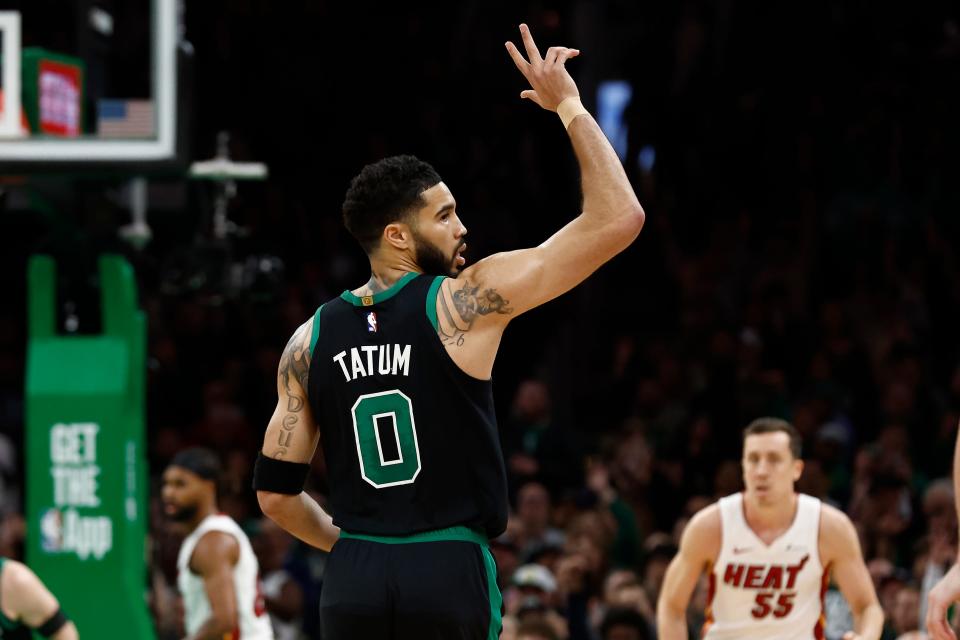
{"x": 769, "y": 553}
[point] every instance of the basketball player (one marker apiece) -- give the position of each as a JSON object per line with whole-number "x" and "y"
{"x": 26, "y": 606}
{"x": 947, "y": 591}
{"x": 769, "y": 553}
{"x": 396, "y": 375}
{"x": 217, "y": 572}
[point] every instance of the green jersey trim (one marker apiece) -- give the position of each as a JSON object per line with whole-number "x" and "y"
{"x": 461, "y": 534}
{"x": 432, "y": 301}
{"x": 315, "y": 334}
{"x": 493, "y": 595}
{"x": 377, "y": 298}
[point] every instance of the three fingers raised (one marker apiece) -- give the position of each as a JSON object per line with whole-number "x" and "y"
{"x": 554, "y": 54}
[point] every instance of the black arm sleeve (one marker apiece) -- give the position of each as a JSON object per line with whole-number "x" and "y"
{"x": 279, "y": 476}
{"x": 53, "y": 624}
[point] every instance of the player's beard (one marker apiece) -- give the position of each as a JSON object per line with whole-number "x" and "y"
{"x": 432, "y": 260}
{"x": 184, "y": 514}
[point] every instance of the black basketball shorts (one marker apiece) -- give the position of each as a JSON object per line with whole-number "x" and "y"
{"x": 434, "y": 585}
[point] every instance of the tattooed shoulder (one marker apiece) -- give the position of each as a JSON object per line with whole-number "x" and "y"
{"x": 459, "y": 309}
{"x": 294, "y": 366}
{"x": 295, "y": 360}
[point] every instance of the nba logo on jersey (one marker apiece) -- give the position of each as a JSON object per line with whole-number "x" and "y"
{"x": 372, "y": 326}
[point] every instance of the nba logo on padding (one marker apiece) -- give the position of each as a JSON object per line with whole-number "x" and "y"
{"x": 372, "y": 325}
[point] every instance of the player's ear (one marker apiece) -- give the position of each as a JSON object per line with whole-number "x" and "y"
{"x": 397, "y": 235}
{"x": 797, "y": 469}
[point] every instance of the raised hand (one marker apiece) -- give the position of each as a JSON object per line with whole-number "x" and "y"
{"x": 550, "y": 82}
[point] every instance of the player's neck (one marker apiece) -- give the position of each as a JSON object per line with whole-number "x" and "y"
{"x": 774, "y": 516}
{"x": 202, "y": 514}
{"x": 385, "y": 272}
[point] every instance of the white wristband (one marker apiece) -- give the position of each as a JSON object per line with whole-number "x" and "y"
{"x": 569, "y": 109}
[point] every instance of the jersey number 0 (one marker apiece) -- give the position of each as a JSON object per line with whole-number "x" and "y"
{"x": 377, "y": 417}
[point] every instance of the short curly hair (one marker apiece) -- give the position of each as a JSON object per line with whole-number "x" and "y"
{"x": 383, "y": 192}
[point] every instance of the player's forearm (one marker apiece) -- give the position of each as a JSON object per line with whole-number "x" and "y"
{"x": 869, "y": 621}
{"x": 671, "y": 625}
{"x": 301, "y": 516}
{"x": 607, "y": 194}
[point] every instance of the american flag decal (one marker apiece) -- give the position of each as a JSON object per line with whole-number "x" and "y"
{"x": 125, "y": 119}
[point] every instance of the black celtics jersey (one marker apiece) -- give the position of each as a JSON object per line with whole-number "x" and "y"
{"x": 410, "y": 440}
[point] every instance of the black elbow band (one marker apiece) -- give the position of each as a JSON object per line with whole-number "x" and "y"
{"x": 279, "y": 476}
{"x": 53, "y": 624}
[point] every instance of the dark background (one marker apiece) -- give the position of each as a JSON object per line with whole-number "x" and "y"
{"x": 797, "y": 260}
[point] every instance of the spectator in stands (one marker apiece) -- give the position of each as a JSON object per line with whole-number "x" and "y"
{"x": 905, "y": 614}
{"x": 533, "y": 529}
{"x": 624, "y": 624}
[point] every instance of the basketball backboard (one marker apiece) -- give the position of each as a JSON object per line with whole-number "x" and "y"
{"x": 88, "y": 83}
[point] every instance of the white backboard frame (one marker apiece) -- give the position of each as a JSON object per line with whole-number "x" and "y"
{"x": 10, "y": 115}
{"x": 91, "y": 149}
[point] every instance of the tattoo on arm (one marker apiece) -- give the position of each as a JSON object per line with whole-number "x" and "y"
{"x": 470, "y": 303}
{"x": 295, "y": 361}
{"x": 464, "y": 307}
{"x": 294, "y": 365}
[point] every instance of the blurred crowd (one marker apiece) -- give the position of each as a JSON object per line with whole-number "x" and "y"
{"x": 798, "y": 261}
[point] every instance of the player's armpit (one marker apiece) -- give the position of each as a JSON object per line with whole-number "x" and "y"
{"x": 214, "y": 559}
{"x": 461, "y": 303}
{"x": 292, "y": 433}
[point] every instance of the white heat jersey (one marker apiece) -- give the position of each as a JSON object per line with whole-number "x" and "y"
{"x": 771, "y": 592}
{"x": 253, "y": 622}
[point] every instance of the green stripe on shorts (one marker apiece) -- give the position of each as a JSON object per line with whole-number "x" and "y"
{"x": 493, "y": 592}
{"x": 462, "y": 534}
